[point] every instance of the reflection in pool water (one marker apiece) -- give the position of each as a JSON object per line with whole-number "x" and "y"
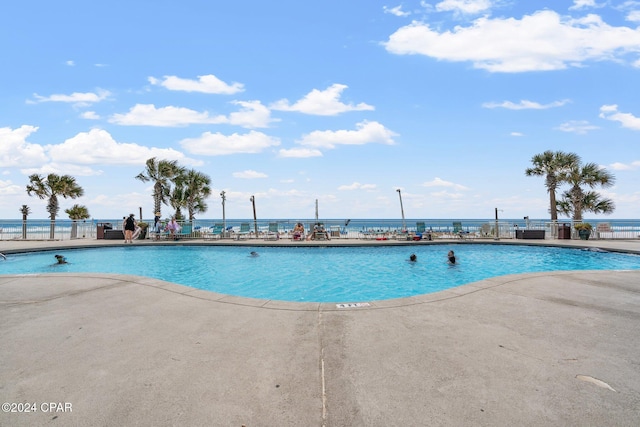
{"x": 320, "y": 274}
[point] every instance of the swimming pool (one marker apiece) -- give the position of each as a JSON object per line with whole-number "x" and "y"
{"x": 320, "y": 274}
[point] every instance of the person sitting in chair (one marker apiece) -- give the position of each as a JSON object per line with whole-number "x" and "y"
{"x": 173, "y": 228}
{"x": 298, "y": 231}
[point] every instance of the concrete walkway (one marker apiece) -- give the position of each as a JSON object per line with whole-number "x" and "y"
{"x": 536, "y": 349}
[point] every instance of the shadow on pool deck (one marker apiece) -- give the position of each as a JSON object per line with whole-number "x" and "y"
{"x": 537, "y": 349}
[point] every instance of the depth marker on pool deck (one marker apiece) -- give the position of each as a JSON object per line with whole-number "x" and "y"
{"x": 353, "y": 305}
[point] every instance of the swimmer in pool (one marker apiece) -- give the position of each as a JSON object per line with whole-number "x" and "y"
{"x": 61, "y": 259}
{"x": 413, "y": 258}
{"x": 451, "y": 257}
{"x": 254, "y": 254}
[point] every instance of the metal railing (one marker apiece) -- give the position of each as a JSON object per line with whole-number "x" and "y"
{"x": 351, "y": 229}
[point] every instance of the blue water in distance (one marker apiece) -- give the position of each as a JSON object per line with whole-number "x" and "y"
{"x": 320, "y": 274}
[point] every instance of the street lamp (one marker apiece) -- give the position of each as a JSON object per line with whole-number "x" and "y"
{"x": 497, "y": 237}
{"x": 224, "y": 219}
{"x": 255, "y": 220}
{"x": 404, "y": 224}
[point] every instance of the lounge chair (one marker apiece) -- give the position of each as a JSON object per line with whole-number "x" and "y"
{"x": 244, "y": 231}
{"x": 334, "y": 231}
{"x": 457, "y": 230}
{"x": 421, "y": 232}
{"x": 185, "y": 231}
{"x": 273, "y": 233}
{"x": 485, "y": 230}
{"x": 214, "y": 232}
{"x": 319, "y": 232}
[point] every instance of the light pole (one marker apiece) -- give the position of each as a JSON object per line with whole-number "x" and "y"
{"x": 497, "y": 228}
{"x": 404, "y": 224}
{"x": 255, "y": 220}
{"x": 224, "y": 219}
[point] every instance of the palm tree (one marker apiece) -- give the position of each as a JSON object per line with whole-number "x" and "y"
{"x": 160, "y": 172}
{"x": 25, "y": 211}
{"x": 575, "y": 200}
{"x": 50, "y": 188}
{"x": 77, "y": 212}
{"x": 554, "y": 167}
{"x": 177, "y": 201}
{"x": 194, "y": 188}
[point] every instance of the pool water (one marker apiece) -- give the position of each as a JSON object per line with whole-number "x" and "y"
{"x": 320, "y": 274}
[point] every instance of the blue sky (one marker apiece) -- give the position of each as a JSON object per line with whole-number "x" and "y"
{"x": 343, "y": 102}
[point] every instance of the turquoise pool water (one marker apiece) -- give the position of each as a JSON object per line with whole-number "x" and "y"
{"x": 320, "y": 274}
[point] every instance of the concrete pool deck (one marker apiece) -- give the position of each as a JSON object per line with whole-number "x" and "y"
{"x": 541, "y": 349}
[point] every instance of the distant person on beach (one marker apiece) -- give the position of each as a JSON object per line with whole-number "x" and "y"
{"x": 129, "y": 228}
{"x": 60, "y": 259}
{"x": 451, "y": 257}
{"x": 413, "y": 258}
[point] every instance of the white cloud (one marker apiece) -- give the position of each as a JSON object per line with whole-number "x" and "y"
{"x": 249, "y": 174}
{"x": 90, "y": 115}
{"x": 252, "y": 114}
{"x": 627, "y": 120}
{"x": 70, "y": 63}
{"x": 204, "y": 84}
{"x": 149, "y": 115}
{"x": 438, "y": 182}
{"x": 357, "y": 186}
{"x": 62, "y": 168}
{"x": 77, "y": 98}
{"x": 624, "y": 166}
{"x": 634, "y": 16}
{"x": 210, "y": 144}
{"x": 98, "y": 147}
{"x": 299, "y": 152}
{"x": 516, "y": 134}
{"x": 8, "y": 188}
{"x": 583, "y": 4}
{"x": 397, "y": 11}
{"x": 580, "y": 127}
{"x": 16, "y": 151}
{"x": 524, "y": 105}
{"x": 539, "y": 42}
{"x": 366, "y": 133}
{"x": 464, "y": 6}
{"x": 321, "y": 103}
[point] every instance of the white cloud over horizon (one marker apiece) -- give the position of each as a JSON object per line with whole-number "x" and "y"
{"x": 438, "y": 182}
{"x": 250, "y": 174}
{"x": 357, "y": 186}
